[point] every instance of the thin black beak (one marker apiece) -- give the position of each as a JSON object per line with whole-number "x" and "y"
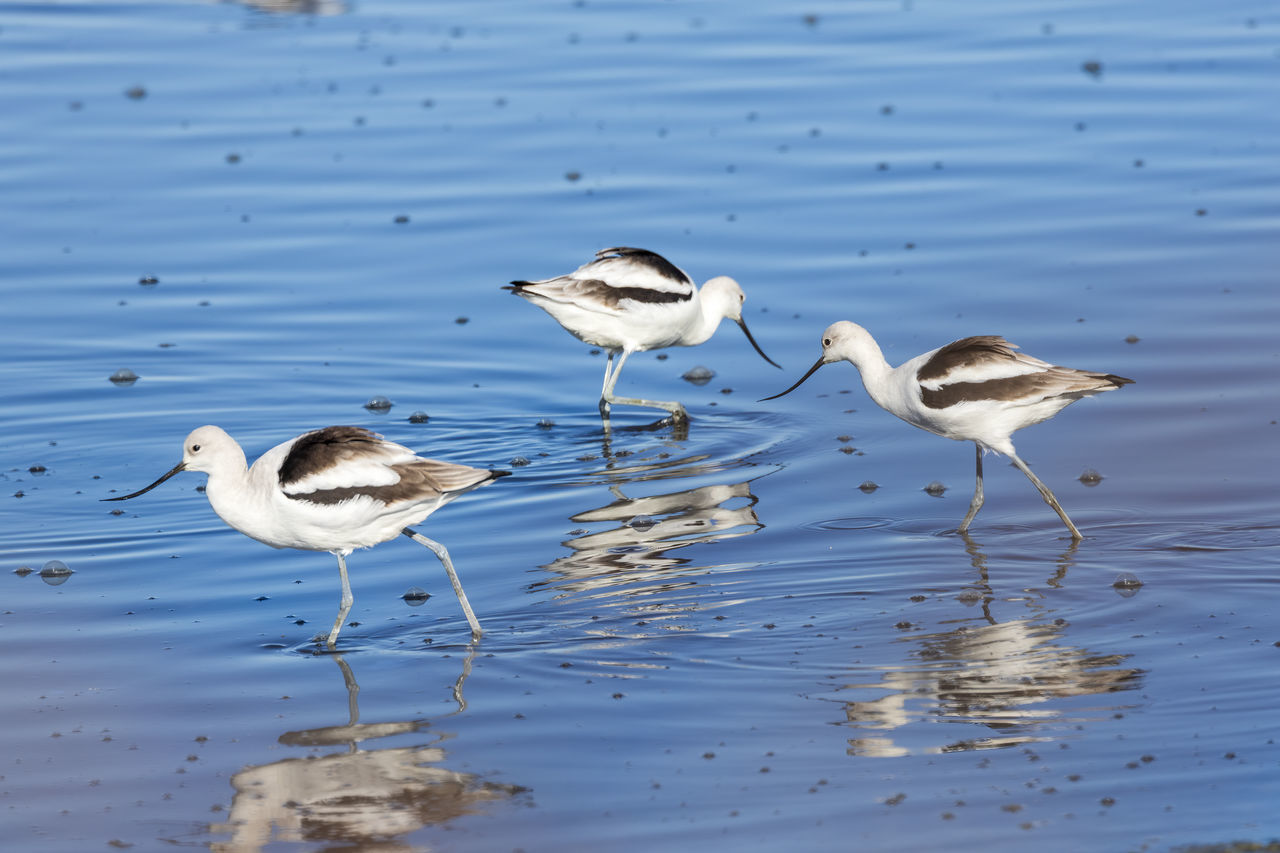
{"x": 747, "y": 332}
{"x": 821, "y": 361}
{"x": 177, "y": 469}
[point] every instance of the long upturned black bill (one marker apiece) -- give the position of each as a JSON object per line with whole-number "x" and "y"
{"x": 747, "y": 332}
{"x": 177, "y": 469}
{"x": 812, "y": 370}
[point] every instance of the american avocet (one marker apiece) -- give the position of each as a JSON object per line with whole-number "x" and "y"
{"x": 632, "y": 300}
{"x": 975, "y": 389}
{"x": 334, "y": 489}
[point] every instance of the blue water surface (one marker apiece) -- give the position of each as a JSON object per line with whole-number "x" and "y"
{"x": 759, "y": 632}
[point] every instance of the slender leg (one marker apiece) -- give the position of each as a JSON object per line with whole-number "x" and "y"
{"x": 345, "y": 607}
{"x": 443, "y": 556}
{"x": 976, "y": 503}
{"x": 1047, "y": 495}
{"x": 607, "y": 386}
{"x": 677, "y": 411}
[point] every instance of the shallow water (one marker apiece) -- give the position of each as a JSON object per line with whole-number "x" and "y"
{"x": 697, "y": 635}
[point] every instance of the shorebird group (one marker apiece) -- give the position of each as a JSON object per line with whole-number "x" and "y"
{"x": 342, "y": 488}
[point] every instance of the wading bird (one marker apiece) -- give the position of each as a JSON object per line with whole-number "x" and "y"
{"x": 975, "y": 389}
{"x": 632, "y": 300}
{"x": 334, "y": 489}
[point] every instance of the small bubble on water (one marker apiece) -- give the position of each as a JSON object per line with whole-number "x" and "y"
{"x": 378, "y": 404}
{"x": 124, "y": 376}
{"x": 55, "y": 572}
{"x": 415, "y": 596}
{"x": 148, "y": 280}
{"x": 935, "y": 489}
{"x": 419, "y": 418}
{"x": 641, "y": 523}
{"x": 546, "y": 423}
{"x": 969, "y": 596}
{"x": 1127, "y": 580}
{"x": 1090, "y": 477}
{"x": 518, "y": 461}
{"x": 1132, "y": 339}
{"x": 23, "y": 571}
{"x": 868, "y": 486}
{"x": 698, "y": 375}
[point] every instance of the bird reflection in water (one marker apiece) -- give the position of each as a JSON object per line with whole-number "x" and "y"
{"x": 319, "y": 8}
{"x": 639, "y": 548}
{"x": 637, "y": 554}
{"x": 365, "y": 798}
{"x": 1004, "y": 678}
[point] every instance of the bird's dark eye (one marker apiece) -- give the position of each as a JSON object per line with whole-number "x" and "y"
{"x": 195, "y": 448}
{"x": 826, "y": 342}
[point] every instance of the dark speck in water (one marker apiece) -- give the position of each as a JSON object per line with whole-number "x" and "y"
{"x": 935, "y": 488}
{"x": 148, "y": 279}
{"x": 868, "y": 486}
{"x": 415, "y": 596}
{"x": 1090, "y": 477}
{"x": 698, "y": 375}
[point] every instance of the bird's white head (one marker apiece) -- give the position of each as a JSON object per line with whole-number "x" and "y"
{"x": 845, "y": 341}
{"x": 207, "y": 447}
{"x": 723, "y": 297}
{"x": 842, "y": 341}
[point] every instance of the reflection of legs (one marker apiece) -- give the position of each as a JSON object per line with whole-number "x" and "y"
{"x": 606, "y": 397}
{"x": 976, "y": 503}
{"x": 345, "y": 607}
{"x": 443, "y": 556}
{"x": 1046, "y": 494}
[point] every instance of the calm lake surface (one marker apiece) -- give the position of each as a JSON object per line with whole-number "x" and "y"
{"x": 274, "y": 212}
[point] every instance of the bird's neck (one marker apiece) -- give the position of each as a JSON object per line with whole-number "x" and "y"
{"x": 230, "y": 492}
{"x": 874, "y": 370}
{"x": 705, "y": 321}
